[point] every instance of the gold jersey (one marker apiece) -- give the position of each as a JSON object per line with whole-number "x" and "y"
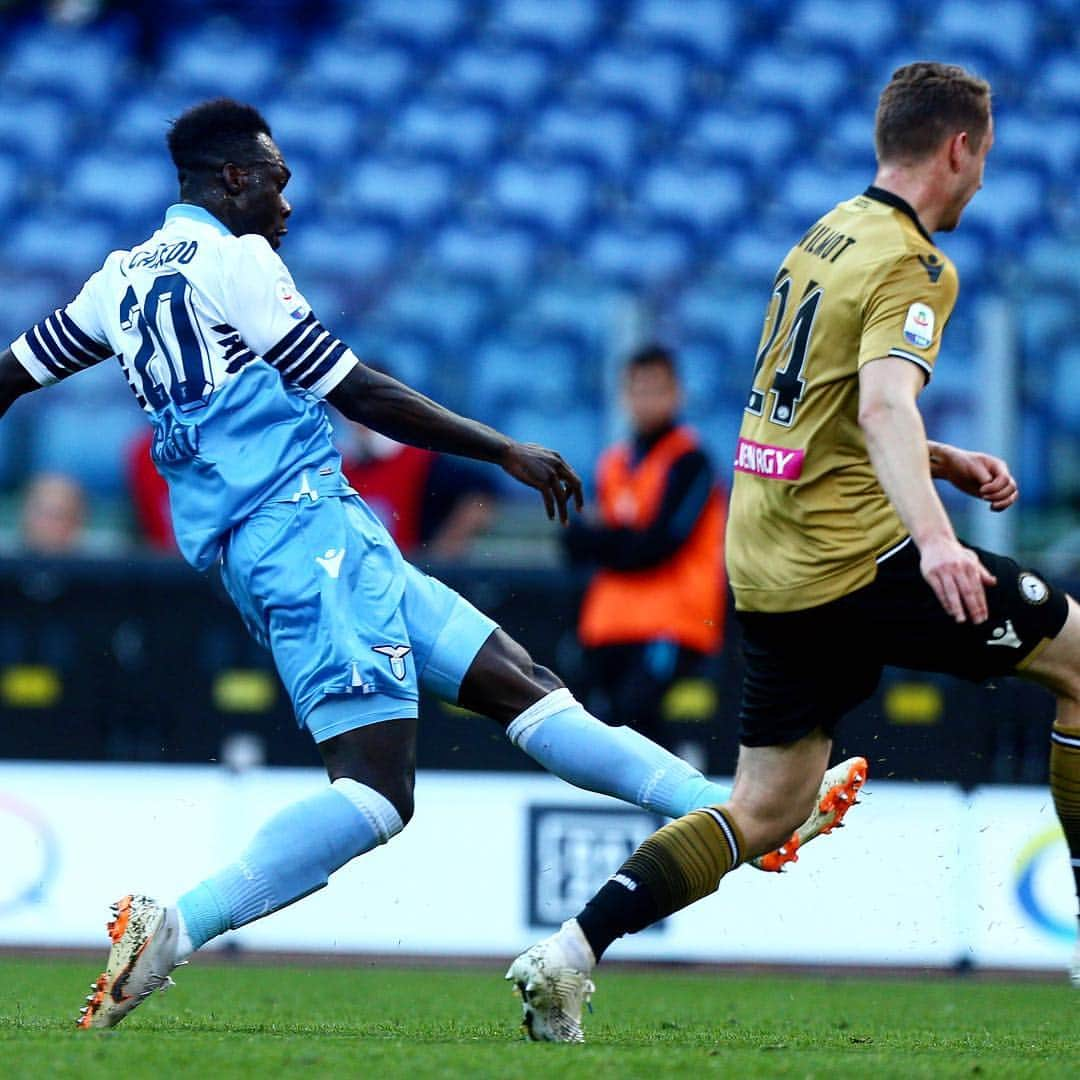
{"x": 808, "y": 516}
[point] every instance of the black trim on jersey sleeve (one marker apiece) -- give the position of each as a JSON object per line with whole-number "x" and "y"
{"x": 306, "y": 353}
{"x": 62, "y": 347}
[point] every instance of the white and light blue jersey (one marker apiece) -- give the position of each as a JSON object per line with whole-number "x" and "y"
{"x": 226, "y": 357}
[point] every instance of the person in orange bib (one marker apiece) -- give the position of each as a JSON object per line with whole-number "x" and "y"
{"x": 654, "y": 611}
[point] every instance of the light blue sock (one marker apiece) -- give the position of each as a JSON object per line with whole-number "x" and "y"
{"x": 292, "y": 855}
{"x": 562, "y": 736}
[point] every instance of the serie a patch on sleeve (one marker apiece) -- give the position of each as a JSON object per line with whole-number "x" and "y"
{"x": 919, "y": 325}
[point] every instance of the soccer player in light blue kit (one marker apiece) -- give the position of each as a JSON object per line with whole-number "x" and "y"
{"x": 232, "y": 368}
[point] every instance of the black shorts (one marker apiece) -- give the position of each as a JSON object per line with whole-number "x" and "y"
{"x": 806, "y": 669}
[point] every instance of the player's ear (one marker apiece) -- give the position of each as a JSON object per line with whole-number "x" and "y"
{"x": 959, "y": 150}
{"x": 234, "y": 178}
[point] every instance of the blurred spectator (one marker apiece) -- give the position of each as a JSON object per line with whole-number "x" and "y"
{"x": 432, "y": 504}
{"x": 149, "y": 496}
{"x": 653, "y": 612}
{"x": 53, "y": 520}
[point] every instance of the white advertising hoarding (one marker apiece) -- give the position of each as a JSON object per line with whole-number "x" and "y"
{"x": 922, "y": 875}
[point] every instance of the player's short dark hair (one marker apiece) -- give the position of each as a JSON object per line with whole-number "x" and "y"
{"x": 653, "y": 355}
{"x": 927, "y": 102}
{"x": 214, "y": 133}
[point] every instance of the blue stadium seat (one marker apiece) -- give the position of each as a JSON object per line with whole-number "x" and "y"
{"x": 969, "y": 250}
{"x": 862, "y": 27}
{"x": 356, "y": 252}
{"x": 577, "y": 434}
{"x": 1047, "y": 321}
{"x": 371, "y": 73}
{"x": 510, "y": 77}
{"x": 603, "y": 137}
{"x": 549, "y": 196}
{"x": 562, "y": 25}
{"x": 809, "y": 84}
{"x": 502, "y": 366}
{"x": 410, "y": 358}
{"x": 692, "y": 195}
{"x": 10, "y": 184}
{"x": 848, "y": 141}
{"x": 580, "y": 309}
{"x": 497, "y": 256}
{"x": 703, "y": 362}
{"x": 755, "y": 253}
{"x": 633, "y": 255}
{"x": 424, "y": 23}
{"x": 408, "y": 192}
{"x": 1011, "y": 202}
{"x": 1007, "y": 31}
{"x": 759, "y": 140}
{"x": 1058, "y": 85}
{"x": 449, "y": 314}
{"x": 142, "y": 121}
{"x": 1047, "y": 141}
{"x": 809, "y": 191}
{"x": 27, "y": 299}
{"x": 439, "y": 126}
{"x": 327, "y": 131}
{"x": 124, "y": 187}
{"x": 35, "y": 128}
{"x": 653, "y": 82}
{"x": 1064, "y": 398}
{"x": 1054, "y": 261}
{"x": 74, "y": 245}
{"x": 708, "y": 29}
{"x": 221, "y": 60}
{"x": 53, "y": 61}
{"x": 729, "y": 316}
{"x": 58, "y": 433}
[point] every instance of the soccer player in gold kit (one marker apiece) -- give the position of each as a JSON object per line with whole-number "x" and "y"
{"x": 839, "y": 551}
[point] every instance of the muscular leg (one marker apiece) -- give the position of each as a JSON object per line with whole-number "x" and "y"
{"x": 1057, "y": 667}
{"x": 542, "y": 718}
{"x": 369, "y": 800}
{"x": 774, "y": 792}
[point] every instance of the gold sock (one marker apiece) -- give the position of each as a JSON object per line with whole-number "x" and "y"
{"x": 685, "y": 860}
{"x": 1065, "y": 788}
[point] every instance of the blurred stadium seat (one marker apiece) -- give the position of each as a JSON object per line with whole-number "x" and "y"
{"x": 707, "y": 29}
{"x": 481, "y": 186}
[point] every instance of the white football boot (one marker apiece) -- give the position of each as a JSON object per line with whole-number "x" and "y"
{"x": 144, "y": 937}
{"x": 554, "y": 986}
{"x": 836, "y": 797}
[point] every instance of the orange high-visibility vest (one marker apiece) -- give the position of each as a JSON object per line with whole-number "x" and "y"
{"x": 680, "y": 600}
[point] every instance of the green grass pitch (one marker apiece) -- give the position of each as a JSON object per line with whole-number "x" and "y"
{"x": 248, "y": 1020}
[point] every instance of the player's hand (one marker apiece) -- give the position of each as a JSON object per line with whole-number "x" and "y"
{"x": 544, "y": 469}
{"x": 958, "y": 578}
{"x": 982, "y": 475}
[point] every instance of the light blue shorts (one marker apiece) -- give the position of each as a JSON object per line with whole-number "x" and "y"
{"x": 355, "y": 630}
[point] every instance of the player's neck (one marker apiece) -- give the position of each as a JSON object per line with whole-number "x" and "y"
{"x": 917, "y": 189}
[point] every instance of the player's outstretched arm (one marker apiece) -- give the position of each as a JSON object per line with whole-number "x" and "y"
{"x": 982, "y": 475}
{"x": 382, "y": 403}
{"x": 896, "y": 439}
{"x": 15, "y": 381}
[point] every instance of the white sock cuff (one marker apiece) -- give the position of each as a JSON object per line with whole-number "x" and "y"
{"x": 379, "y": 811}
{"x": 521, "y": 727}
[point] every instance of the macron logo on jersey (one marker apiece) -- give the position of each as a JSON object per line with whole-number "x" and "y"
{"x": 331, "y": 561}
